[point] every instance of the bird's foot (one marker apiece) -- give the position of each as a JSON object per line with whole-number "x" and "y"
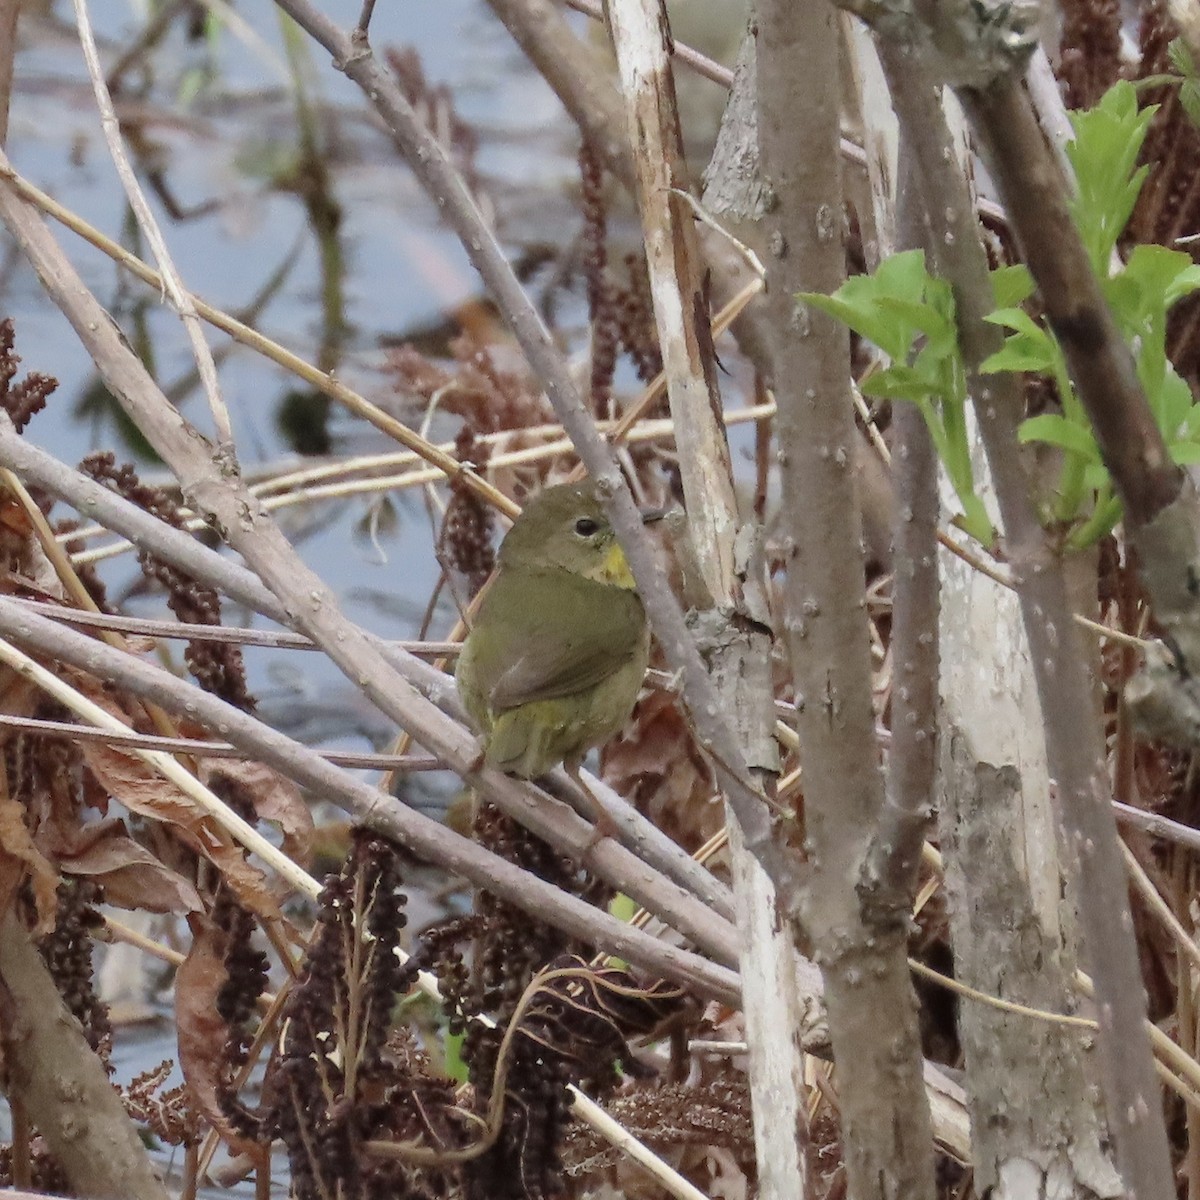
{"x": 605, "y": 827}
{"x": 476, "y": 764}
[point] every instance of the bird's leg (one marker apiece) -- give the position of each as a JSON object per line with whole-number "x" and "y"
{"x": 603, "y": 823}
{"x": 476, "y": 764}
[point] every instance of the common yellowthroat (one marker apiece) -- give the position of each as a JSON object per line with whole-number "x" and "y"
{"x": 552, "y": 667}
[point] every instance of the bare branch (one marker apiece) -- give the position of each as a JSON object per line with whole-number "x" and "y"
{"x": 1074, "y": 746}
{"x": 885, "y": 1112}
{"x": 181, "y": 300}
{"x": 437, "y": 174}
{"x": 62, "y": 1082}
{"x": 425, "y": 837}
{"x": 191, "y": 556}
{"x": 733, "y": 624}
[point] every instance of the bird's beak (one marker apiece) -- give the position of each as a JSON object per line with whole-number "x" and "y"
{"x": 650, "y": 515}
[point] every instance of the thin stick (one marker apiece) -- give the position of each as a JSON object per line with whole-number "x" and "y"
{"x": 1161, "y": 909}
{"x": 433, "y": 168}
{"x": 245, "y": 833}
{"x": 426, "y": 838}
{"x": 245, "y": 335}
{"x": 181, "y": 299}
{"x": 201, "y": 748}
{"x": 423, "y": 477}
{"x": 278, "y": 639}
{"x": 1158, "y": 825}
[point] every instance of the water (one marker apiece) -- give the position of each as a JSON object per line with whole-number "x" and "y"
{"x": 217, "y": 120}
{"x": 215, "y": 125}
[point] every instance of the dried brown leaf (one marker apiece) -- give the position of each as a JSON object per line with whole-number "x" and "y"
{"x": 200, "y": 1029}
{"x": 21, "y": 859}
{"x": 140, "y": 789}
{"x": 657, "y": 765}
{"x": 275, "y": 799}
{"x": 129, "y": 874}
{"x": 249, "y": 884}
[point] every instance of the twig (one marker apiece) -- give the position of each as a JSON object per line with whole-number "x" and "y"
{"x": 148, "y": 37}
{"x": 1157, "y": 825}
{"x": 246, "y": 336}
{"x": 195, "y": 559}
{"x": 890, "y": 871}
{"x": 199, "y": 747}
{"x": 166, "y": 766}
{"x": 9, "y": 11}
{"x": 364, "y": 21}
{"x": 646, "y": 431}
{"x": 733, "y": 626}
{"x": 61, "y": 1081}
{"x": 1161, "y": 909}
{"x": 181, "y": 300}
{"x": 428, "y": 839}
{"x": 274, "y": 638}
{"x": 437, "y": 174}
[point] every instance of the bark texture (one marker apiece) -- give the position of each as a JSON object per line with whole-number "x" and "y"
{"x": 1074, "y": 746}
{"x": 1036, "y": 1129}
{"x": 735, "y": 626}
{"x": 62, "y": 1084}
{"x": 872, "y": 1012}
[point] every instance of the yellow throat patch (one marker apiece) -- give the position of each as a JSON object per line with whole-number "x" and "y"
{"x": 613, "y": 569}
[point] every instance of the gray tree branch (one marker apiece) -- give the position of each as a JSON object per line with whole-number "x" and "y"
{"x": 1074, "y": 747}
{"x": 438, "y": 176}
{"x": 872, "y": 1010}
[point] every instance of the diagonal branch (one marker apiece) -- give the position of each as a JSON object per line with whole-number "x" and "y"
{"x": 438, "y": 176}
{"x": 427, "y": 838}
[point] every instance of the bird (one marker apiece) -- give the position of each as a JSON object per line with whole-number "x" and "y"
{"x": 554, "y": 661}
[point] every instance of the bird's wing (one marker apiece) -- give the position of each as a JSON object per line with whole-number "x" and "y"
{"x": 584, "y": 633}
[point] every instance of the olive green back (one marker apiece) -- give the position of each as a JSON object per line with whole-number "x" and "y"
{"x": 552, "y": 666}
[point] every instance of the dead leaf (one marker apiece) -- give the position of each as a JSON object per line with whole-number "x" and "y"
{"x": 130, "y": 875}
{"x": 136, "y": 785}
{"x": 139, "y": 787}
{"x": 21, "y": 859}
{"x": 656, "y": 764}
{"x": 200, "y": 1029}
{"x": 273, "y": 798}
{"x": 249, "y": 884}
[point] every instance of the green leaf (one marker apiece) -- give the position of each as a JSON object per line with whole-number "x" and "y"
{"x": 1015, "y": 357}
{"x": 1055, "y": 430}
{"x": 1019, "y": 321}
{"x": 1174, "y": 404}
{"x": 1181, "y": 58}
{"x": 891, "y": 384}
{"x": 1011, "y": 285}
{"x": 863, "y": 316}
{"x": 1102, "y": 520}
{"x": 1104, "y": 154}
{"x": 1185, "y": 454}
{"x": 1189, "y": 97}
{"x": 1184, "y": 284}
{"x": 853, "y": 306}
{"x": 1164, "y": 276}
{"x": 902, "y": 274}
{"x": 1030, "y": 348}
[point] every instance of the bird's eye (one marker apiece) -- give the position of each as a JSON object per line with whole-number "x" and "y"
{"x": 585, "y": 526}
